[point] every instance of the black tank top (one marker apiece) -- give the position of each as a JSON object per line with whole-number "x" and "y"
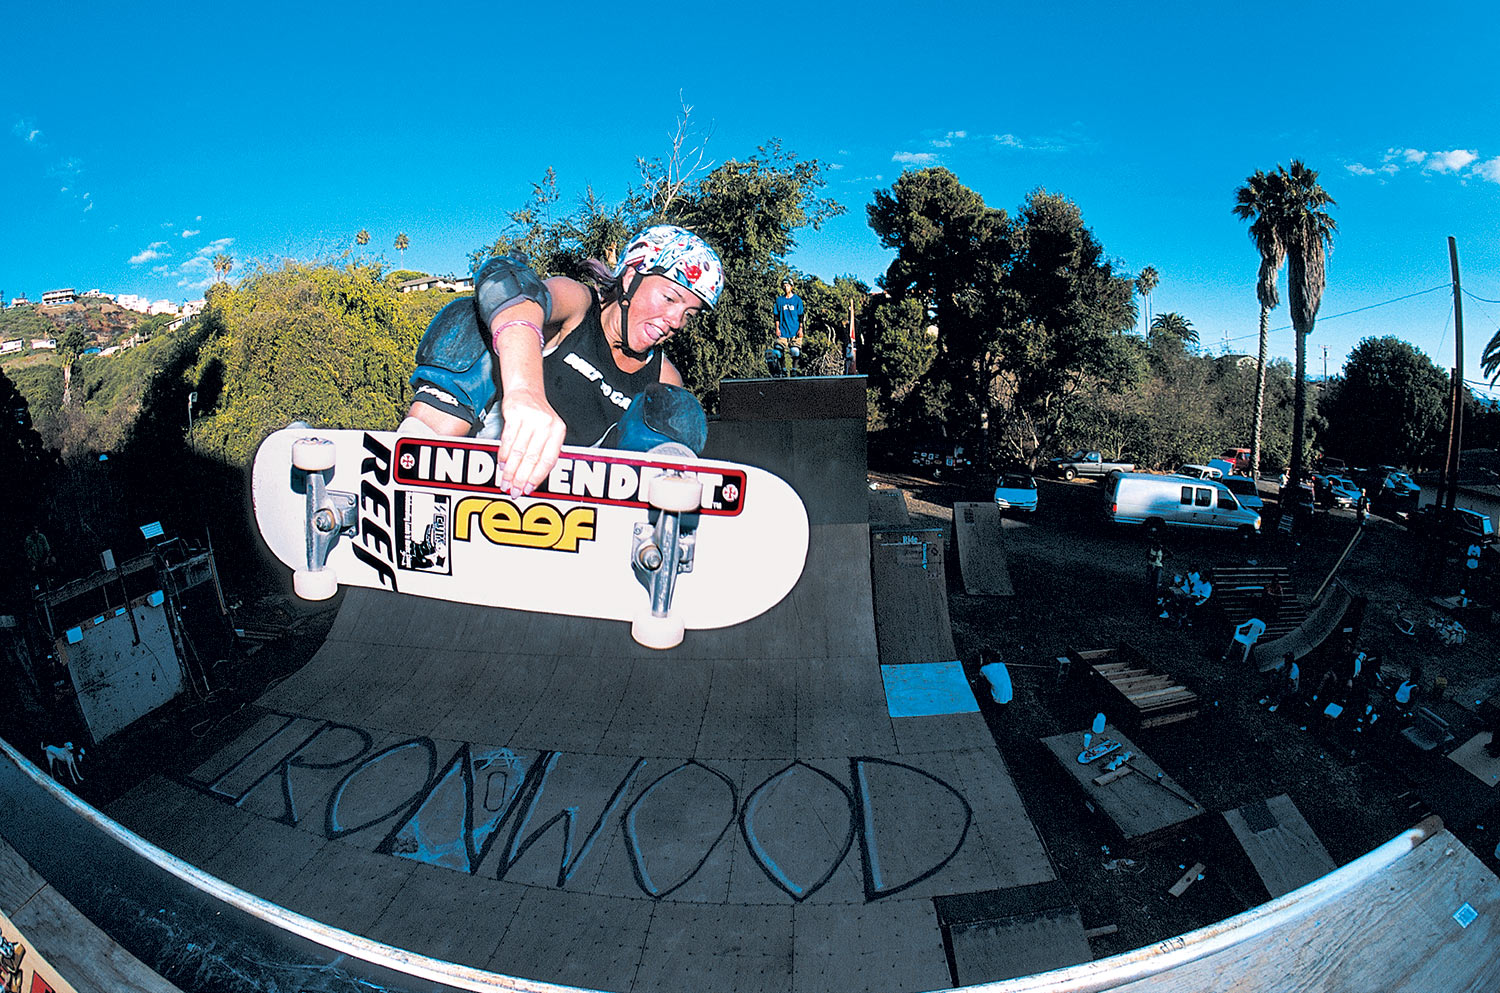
{"x": 585, "y": 387}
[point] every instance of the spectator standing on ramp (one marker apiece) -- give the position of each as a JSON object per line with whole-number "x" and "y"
{"x": 788, "y": 314}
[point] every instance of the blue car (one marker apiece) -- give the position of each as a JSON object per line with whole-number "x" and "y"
{"x": 1016, "y": 491}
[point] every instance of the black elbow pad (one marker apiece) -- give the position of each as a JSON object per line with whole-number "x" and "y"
{"x": 506, "y": 280}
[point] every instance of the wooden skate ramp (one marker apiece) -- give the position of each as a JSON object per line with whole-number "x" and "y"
{"x": 460, "y": 798}
{"x": 911, "y": 595}
{"x": 979, "y": 533}
{"x": 539, "y": 796}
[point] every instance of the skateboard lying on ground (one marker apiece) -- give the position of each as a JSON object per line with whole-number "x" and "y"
{"x": 665, "y": 543}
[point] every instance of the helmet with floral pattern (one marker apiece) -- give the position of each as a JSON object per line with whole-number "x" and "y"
{"x": 678, "y": 254}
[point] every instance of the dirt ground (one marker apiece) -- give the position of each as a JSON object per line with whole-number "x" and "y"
{"x": 1080, "y": 584}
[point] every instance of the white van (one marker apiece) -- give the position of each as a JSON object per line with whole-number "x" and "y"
{"x": 1175, "y": 501}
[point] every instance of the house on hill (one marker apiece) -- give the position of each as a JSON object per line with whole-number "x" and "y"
{"x": 448, "y": 284}
{"x": 57, "y": 298}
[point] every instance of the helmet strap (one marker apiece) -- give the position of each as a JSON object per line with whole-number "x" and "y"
{"x": 626, "y": 293}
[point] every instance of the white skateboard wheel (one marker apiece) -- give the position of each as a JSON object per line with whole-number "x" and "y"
{"x": 657, "y": 632}
{"x": 315, "y": 584}
{"x": 676, "y": 494}
{"x": 313, "y": 454}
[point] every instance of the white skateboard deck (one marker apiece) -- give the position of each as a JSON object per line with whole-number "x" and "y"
{"x": 424, "y": 516}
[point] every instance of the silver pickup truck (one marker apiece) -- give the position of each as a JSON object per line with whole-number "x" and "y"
{"x": 1086, "y": 463}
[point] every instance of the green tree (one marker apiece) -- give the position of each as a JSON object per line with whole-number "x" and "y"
{"x": 1173, "y": 327}
{"x": 329, "y": 345}
{"x": 1259, "y": 202}
{"x": 1025, "y": 309}
{"x": 1306, "y": 229}
{"x": 1390, "y": 405}
{"x": 402, "y": 242}
{"x": 1063, "y": 307}
{"x": 900, "y": 345}
{"x": 1145, "y": 283}
{"x": 70, "y": 347}
{"x": 362, "y": 238}
{"x": 952, "y": 251}
{"x": 750, "y": 210}
{"x": 222, "y": 264}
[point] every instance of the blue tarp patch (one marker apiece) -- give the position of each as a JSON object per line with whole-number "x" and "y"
{"x": 927, "y": 689}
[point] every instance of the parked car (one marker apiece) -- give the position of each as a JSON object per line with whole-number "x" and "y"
{"x": 1016, "y": 491}
{"x": 1175, "y": 501}
{"x": 1457, "y": 524}
{"x": 1239, "y": 458}
{"x": 1337, "y": 491}
{"x": 1087, "y": 463}
{"x": 1399, "y": 483}
{"x": 1195, "y": 471}
{"x": 1245, "y": 491}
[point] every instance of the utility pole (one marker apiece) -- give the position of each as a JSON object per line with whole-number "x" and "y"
{"x": 1325, "y": 362}
{"x": 1456, "y": 429}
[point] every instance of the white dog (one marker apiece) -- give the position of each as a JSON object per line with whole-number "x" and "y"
{"x": 63, "y": 753}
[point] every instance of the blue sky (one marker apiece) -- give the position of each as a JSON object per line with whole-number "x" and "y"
{"x": 139, "y": 142}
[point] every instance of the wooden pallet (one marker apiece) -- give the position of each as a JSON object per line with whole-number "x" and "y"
{"x": 1136, "y": 697}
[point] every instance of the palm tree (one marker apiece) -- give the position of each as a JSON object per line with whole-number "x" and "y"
{"x": 363, "y": 238}
{"x": 1306, "y": 229}
{"x": 1259, "y": 202}
{"x": 1174, "y": 325}
{"x": 222, "y": 264}
{"x": 1144, "y": 284}
{"x": 401, "y": 242}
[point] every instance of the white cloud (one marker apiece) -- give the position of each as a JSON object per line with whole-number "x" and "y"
{"x": 958, "y": 134}
{"x": 942, "y": 143}
{"x": 1488, "y": 170}
{"x": 68, "y": 167}
{"x": 1451, "y": 161}
{"x": 190, "y": 234}
{"x": 150, "y": 253}
{"x": 1454, "y": 162}
{"x": 914, "y": 158}
{"x": 835, "y": 166}
{"x": 160, "y": 270}
{"x": 1008, "y": 140}
{"x": 27, "y": 132}
{"x": 217, "y": 245}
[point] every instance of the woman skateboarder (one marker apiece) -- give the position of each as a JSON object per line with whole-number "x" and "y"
{"x": 541, "y": 363}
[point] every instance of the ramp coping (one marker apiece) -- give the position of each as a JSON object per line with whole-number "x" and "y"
{"x": 366, "y": 949}
{"x": 1153, "y": 960}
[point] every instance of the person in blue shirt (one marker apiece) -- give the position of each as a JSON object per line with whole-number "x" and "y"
{"x": 788, "y": 315}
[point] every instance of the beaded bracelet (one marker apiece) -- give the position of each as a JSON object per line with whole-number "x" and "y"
{"x": 541, "y": 339}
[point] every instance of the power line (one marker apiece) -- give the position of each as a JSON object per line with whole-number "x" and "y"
{"x": 1357, "y": 310}
{"x": 1479, "y": 298}
{"x": 1383, "y": 303}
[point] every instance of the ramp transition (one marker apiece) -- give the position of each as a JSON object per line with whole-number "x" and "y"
{"x": 540, "y": 797}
